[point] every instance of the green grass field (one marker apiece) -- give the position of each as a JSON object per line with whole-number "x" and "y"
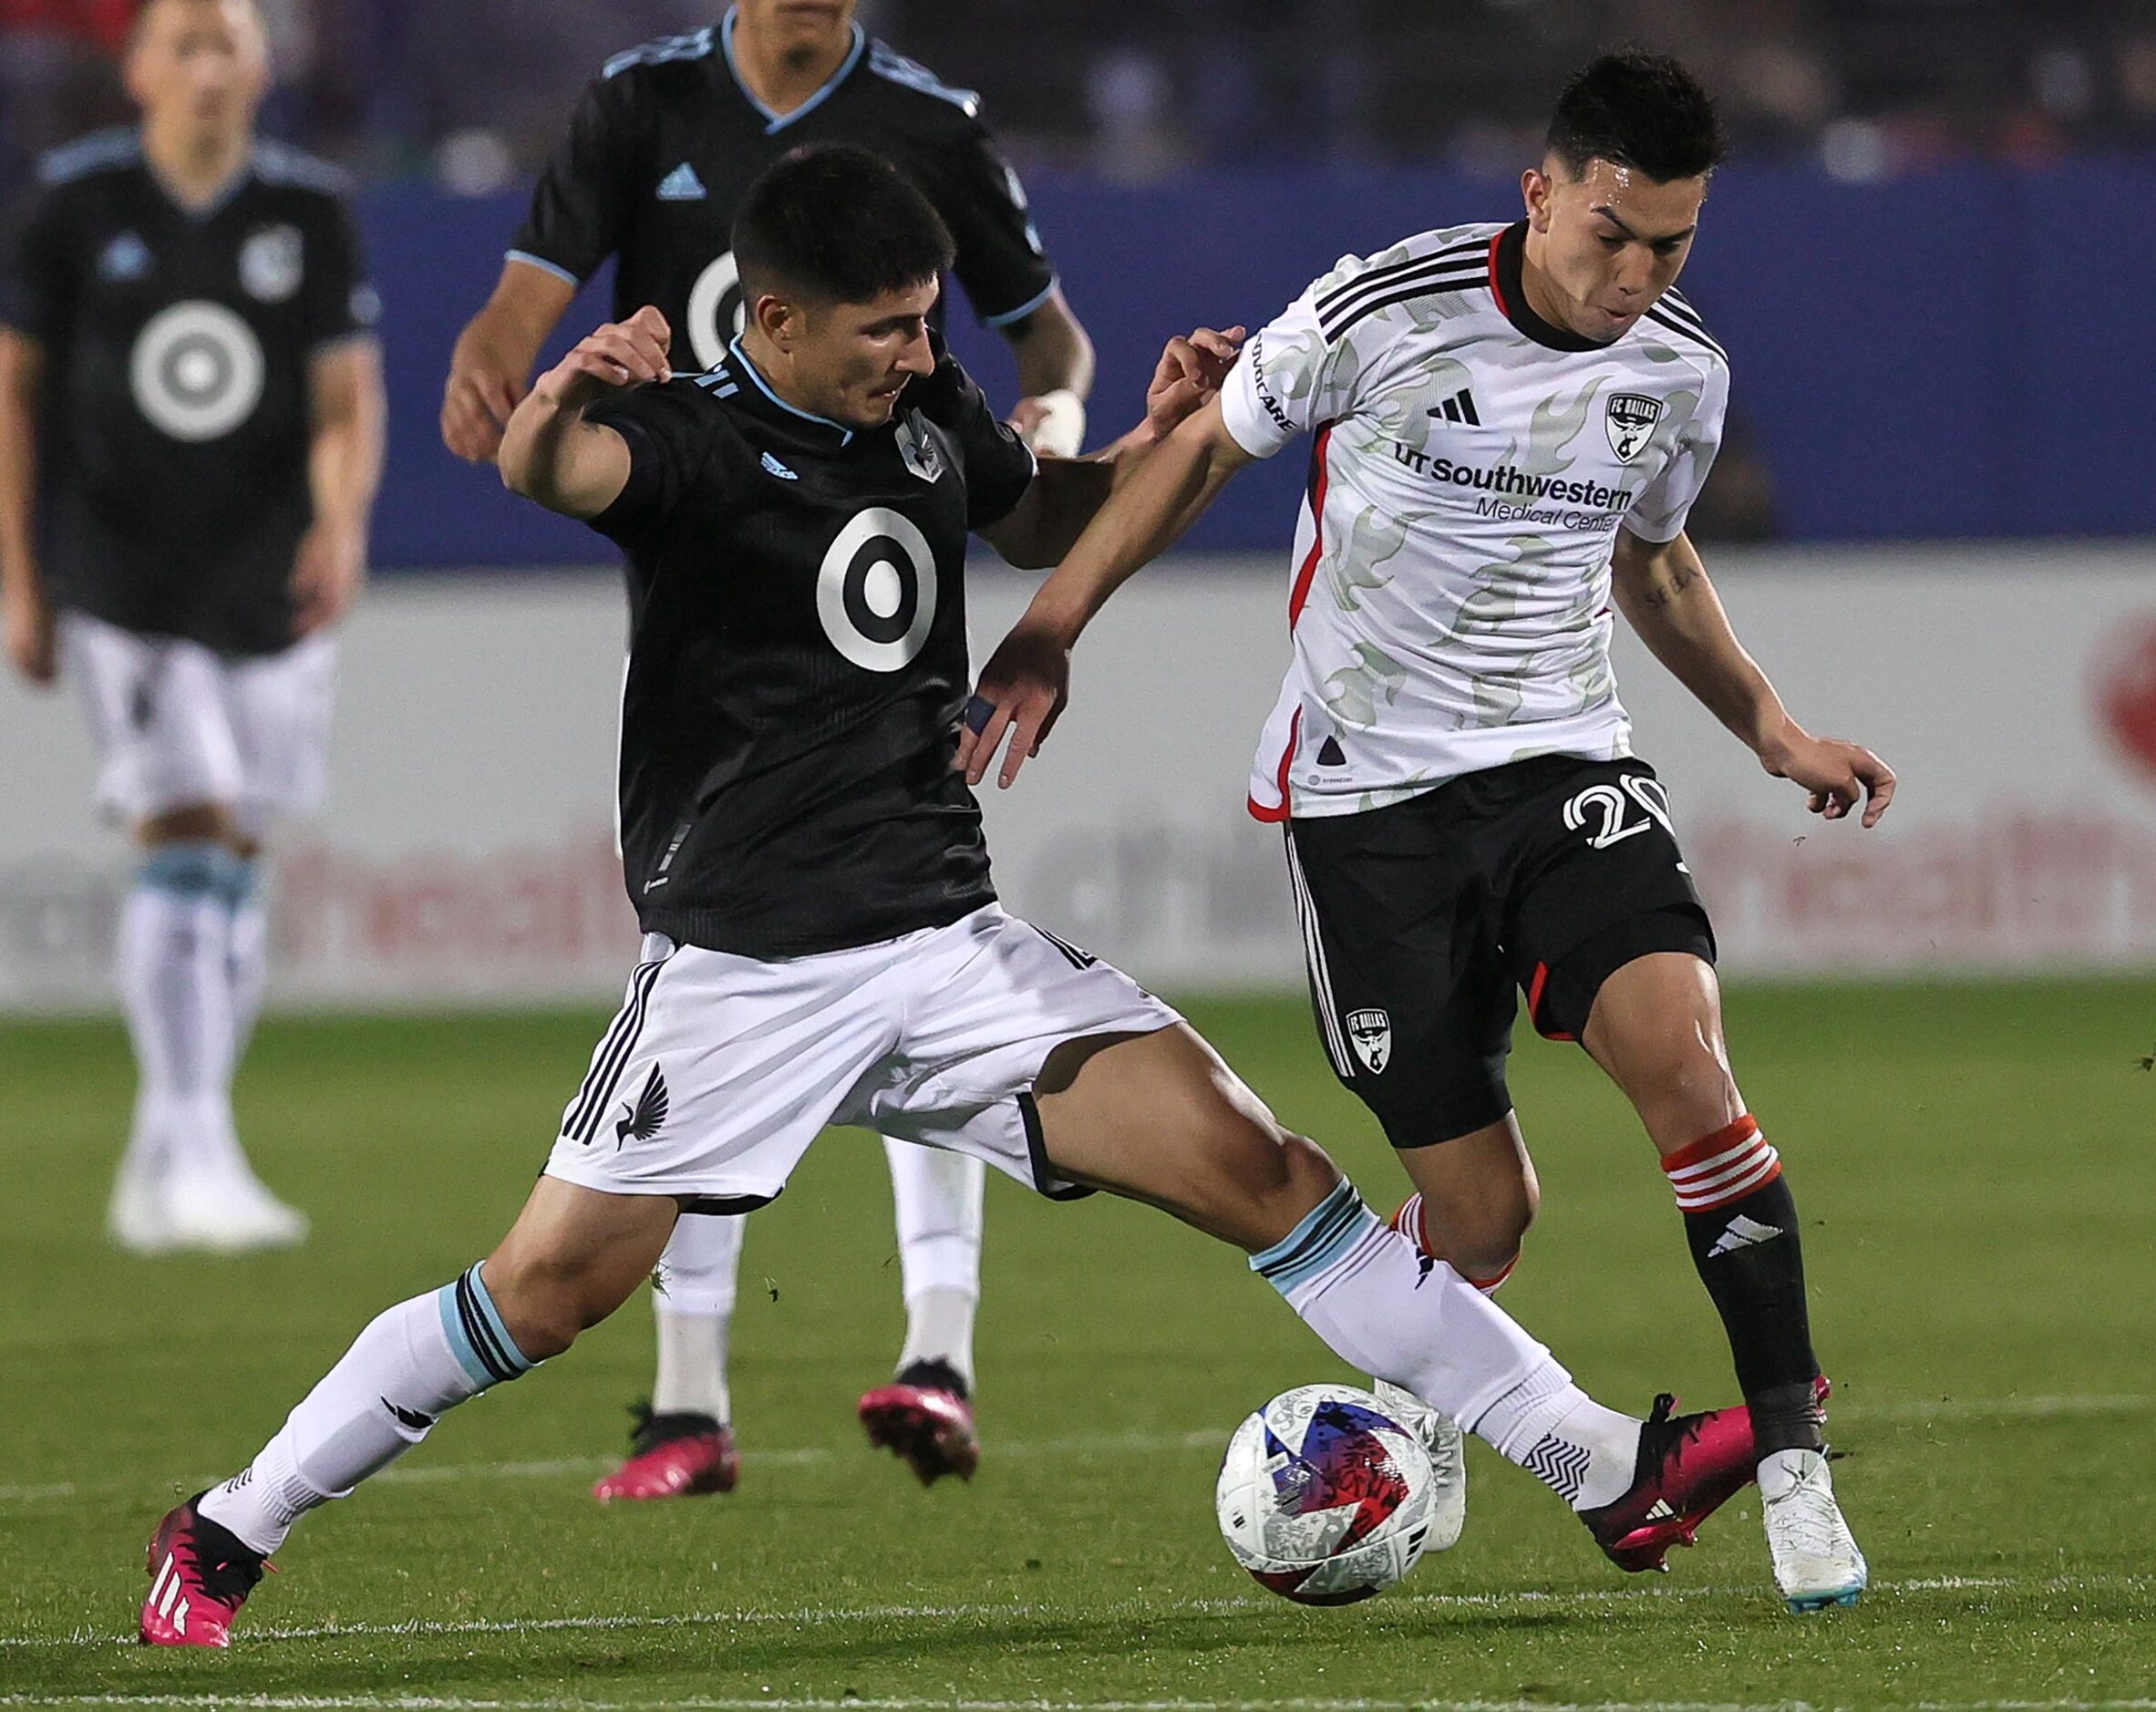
{"x": 1974, "y": 1169}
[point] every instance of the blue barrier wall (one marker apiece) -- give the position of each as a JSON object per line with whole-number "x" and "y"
{"x": 1969, "y": 352}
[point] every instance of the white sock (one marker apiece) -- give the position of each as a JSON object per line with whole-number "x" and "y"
{"x": 692, "y": 1303}
{"x": 937, "y": 1197}
{"x": 177, "y": 993}
{"x": 1412, "y": 1320}
{"x": 412, "y": 1363}
{"x": 246, "y": 955}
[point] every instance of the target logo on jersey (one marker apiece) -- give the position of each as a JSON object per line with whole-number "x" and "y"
{"x": 197, "y": 371}
{"x": 1324, "y": 1497}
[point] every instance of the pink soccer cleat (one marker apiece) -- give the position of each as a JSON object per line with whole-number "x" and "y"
{"x": 924, "y": 1418}
{"x": 1689, "y": 1467}
{"x": 674, "y": 1455}
{"x": 200, "y": 1576}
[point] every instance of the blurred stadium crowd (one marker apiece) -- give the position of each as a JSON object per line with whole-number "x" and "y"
{"x": 472, "y": 92}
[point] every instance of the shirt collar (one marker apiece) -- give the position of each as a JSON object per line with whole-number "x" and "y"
{"x": 1506, "y": 256}
{"x": 776, "y": 122}
{"x": 761, "y": 397}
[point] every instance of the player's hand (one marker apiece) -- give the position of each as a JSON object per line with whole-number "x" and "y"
{"x": 482, "y": 393}
{"x": 326, "y": 573}
{"x": 1836, "y": 775}
{"x": 620, "y": 354}
{"x": 1021, "y": 695}
{"x": 1190, "y": 372}
{"x": 30, "y": 639}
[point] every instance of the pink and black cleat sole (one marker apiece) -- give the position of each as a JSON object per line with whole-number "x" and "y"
{"x": 693, "y": 1465}
{"x": 931, "y": 1430}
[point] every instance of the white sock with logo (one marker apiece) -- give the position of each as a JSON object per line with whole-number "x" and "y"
{"x": 1410, "y": 1319}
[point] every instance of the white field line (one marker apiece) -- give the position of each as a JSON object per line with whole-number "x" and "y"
{"x": 1094, "y": 1444}
{"x": 901, "y": 1704}
{"x": 1590, "y": 1599}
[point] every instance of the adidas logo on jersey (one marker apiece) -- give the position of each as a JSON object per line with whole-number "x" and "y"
{"x": 1743, "y": 1232}
{"x": 1459, "y": 408}
{"x": 777, "y": 469}
{"x": 682, "y": 185}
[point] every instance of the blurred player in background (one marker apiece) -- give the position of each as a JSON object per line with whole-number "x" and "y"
{"x": 822, "y": 943}
{"x": 1511, "y": 424}
{"x": 658, "y": 154}
{"x": 188, "y": 362}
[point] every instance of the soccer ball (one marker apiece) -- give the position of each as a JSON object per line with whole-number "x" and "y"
{"x": 1324, "y": 1497}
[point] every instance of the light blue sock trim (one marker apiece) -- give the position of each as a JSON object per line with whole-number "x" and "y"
{"x": 1324, "y": 1236}
{"x": 187, "y": 870}
{"x": 475, "y": 1334}
{"x": 241, "y": 881}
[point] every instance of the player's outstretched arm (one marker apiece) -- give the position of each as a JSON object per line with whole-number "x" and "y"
{"x": 1055, "y": 359}
{"x": 492, "y": 360}
{"x": 1662, "y": 589}
{"x": 1025, "y": 684}
{"x": 549, "y": 453}
{"x": 349, "y": 416}
{"x": 28, "y": 613}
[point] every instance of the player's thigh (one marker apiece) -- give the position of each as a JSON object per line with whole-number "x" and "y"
{"x": 1041, "y": 1060}
{"x": 278, "y": 707}
{"x": 719, "y": 1070}
{"x": 1592, "y": 877}
{"x": 1161, "y": 1118}
{"x": 1408, "y": 984}
{"x": 158, "y": 715}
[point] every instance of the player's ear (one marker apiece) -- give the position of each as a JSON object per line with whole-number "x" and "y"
{"x": 777, "y": 319}
{"x": 1535, "y": 186}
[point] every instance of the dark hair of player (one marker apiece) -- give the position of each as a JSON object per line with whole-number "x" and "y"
{"x": 1638, "y": 110}
{"x": 840, "y": 226}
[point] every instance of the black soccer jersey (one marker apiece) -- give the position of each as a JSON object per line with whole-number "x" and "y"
{"x": 666, "y": 139}
{"x": 178, "y": 341}
{"x": 797, "y": 659}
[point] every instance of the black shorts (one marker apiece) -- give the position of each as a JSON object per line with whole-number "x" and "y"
{"x": 1420, "y": 918}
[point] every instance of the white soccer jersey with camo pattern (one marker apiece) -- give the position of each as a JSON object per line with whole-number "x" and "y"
{"x": 1471, "y": 465}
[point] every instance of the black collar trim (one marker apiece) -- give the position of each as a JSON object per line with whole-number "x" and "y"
{"x": 1506, "y": 255}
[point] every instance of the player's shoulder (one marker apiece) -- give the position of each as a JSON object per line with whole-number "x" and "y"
{"x": 1676, "y": 316}
{"x": 1444, "y": 259}
{"x": 87, "y": 159}
{"x": 307, "y": 177}
{"x": 656, "y": 63}
{"x": 911, "y": 95}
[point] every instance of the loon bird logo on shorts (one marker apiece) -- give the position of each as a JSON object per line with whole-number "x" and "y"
{"x": 643, "y": 1121}
{"x": 1371, "y": 1031}
{"x": 1630, "y": 421}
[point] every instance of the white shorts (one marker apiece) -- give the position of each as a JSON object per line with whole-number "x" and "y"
{"x": 177, "y": 724}
{"x": 720, "y": 1070}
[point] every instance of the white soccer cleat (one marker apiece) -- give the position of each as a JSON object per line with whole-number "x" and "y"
{"x": 1448, "y": 1451}
{"x": 135, "y": 1218}
{"x": 230, "y": 1214}
{"x": 1815, "y": 1560}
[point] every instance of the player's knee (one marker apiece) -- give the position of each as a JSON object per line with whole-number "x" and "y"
{"x": 1479, "y": 1236}
{"x": 1683, "y": 1092}
{"x": 548, "y": 1302}
{"x": 1257, "y": 1180}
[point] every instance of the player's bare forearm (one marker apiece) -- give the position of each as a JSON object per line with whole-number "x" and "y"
{"x": 1164, "y": 492}
{"x": 1053, "y": 351}
{"x": 1664, "y": 595}
{"x": 22, "y": 389}
{"x": 550, "y": 454}
{"x": 493, "y": 356}
{"x": 350, "y": 416}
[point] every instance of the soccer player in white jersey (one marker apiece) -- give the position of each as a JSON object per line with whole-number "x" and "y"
{"x": 822, "y": 940}
{"x": 1509, "y": 425}
{"x": 188, "y": 359}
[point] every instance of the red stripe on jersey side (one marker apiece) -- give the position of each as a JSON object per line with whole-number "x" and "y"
{"x": 1496, "y": 291}
{"x": 1300, "y": 591}
{"x": 1258, "y": 811}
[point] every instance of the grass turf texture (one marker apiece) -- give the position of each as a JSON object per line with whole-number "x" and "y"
{"x": 1973, "y": 1165}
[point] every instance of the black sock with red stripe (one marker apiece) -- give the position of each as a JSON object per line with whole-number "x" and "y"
{"x": 1740, "y": 1221}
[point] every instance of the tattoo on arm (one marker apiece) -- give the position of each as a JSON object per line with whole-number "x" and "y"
{"x": 1667, "y": 587}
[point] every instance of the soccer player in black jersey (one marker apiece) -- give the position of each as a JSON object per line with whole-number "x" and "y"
{"x": 187, "y": 358}
{"x": 823, "y": 943}
{"x": 660, "y": 149}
